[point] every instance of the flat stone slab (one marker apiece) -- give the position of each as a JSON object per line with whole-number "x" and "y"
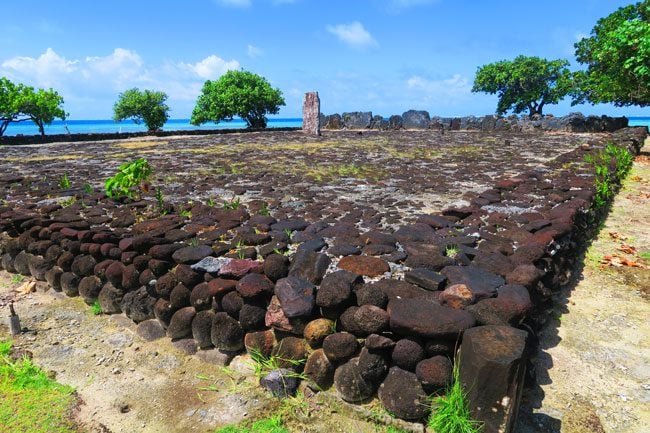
{"x": 425, "y": 319}
{"x": 482, "y": 283}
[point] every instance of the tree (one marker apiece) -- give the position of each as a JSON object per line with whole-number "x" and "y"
{"x": 617, "y": 55}
{"x": 19, "y": 103}
{"x": 8, "y": 93}
{"x": 41, "y": 107}
{"x": 146, "y": 106}
{"x": 237, "y": 93}
{"x": 525, "y": 83}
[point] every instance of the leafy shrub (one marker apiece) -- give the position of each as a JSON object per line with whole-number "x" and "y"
{"x": 621, "y": 160}
{"x": 129, "y": 175}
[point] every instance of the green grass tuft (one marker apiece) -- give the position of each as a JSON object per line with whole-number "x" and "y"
{"x": 31, "y": 401}
{"x": 263, "y": 364}
{"x": 450, "y": 413}
{"x": 267, "y": 425}
{"x": 5, "y": 348}
{"x": 17, "y": 278}
{"x": 96, "y": 308}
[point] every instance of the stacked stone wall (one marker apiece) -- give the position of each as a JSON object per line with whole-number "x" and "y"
{"x": 317, "y": 291}
{"x": 417, "y": 119}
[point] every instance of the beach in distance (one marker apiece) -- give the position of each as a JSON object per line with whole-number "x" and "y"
{"x": 110, "y": 126}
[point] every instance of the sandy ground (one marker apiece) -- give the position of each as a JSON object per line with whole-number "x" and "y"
{"x": 593, "y": 367}
{"x": 126, "y": 384}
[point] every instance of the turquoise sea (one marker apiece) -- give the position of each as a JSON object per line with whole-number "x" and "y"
{"x": 97, "y": 126}
{"x": 639, "y": 121}
{"x": 103, "y": 126}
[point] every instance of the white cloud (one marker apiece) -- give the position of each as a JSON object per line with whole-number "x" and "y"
{"x": 101, "y": 78}
{"x": 253, "y": 51}
{"x": 212, "y": 67}
{"x": 46, "y": 70}
{"x": 454, "y": 86}
{"x": 123, "y": 68}
{"x": 235, "y": 3}
{"x": 353, "y": 34}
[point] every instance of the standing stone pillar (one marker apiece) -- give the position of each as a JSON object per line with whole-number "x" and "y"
{"x": 311, "y": 114}
{"x": 492, "y": 367}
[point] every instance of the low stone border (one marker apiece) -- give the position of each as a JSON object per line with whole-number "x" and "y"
{"x": 417, "y": 119}
{"x": 59, "y": 138}
{"x": 328, "y": 293}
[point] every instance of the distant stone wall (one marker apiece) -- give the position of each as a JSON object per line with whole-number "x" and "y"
{"x": 414, "y": 119}
{"x": 59, "y": 138}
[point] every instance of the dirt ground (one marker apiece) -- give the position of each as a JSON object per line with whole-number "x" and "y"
{"x": 126, "y": 384}
{"x": 593, "y": 367}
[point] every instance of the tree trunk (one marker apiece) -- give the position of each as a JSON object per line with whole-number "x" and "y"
{"x": 3, "y": 126}
{"x": 41, "y": 128}
{"x": 256, "y": 122}
{"x": 534, "y": 109}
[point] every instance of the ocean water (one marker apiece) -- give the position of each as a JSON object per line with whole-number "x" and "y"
{"x": 103, "y": 126}
{"x": 97, "y": 126}
{"x": 639, "y": 121}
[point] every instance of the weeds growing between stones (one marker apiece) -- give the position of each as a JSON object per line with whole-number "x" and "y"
{"x": 96, "y": 308}
{"x": 64, "y": 182}
{"x": 450, "y": 412}
{"x": 605, "y": 182}
{"x": 129, "y": 175}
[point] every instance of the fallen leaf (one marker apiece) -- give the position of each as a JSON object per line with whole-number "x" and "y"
{"x": 617, "y": 235}
{"x": 26, "y": 287}
{"x": 636, "y": 178}
{"x": 627, "y": 249}
{"x": 618, "y": 261}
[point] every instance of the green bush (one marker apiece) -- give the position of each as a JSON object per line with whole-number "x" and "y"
{"x": 605, "y": 181}
{"x": 129, "y": 175}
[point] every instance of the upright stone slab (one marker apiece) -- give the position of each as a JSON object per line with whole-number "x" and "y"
{"x": 492, "y": 366}
{"x": 311, "y": 114}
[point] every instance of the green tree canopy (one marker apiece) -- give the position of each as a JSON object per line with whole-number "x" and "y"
{"x": 237, "y": 93}
{"x": 19, "y": 103}
{"x": 525, "y": 83}
{"x": 617, "y": 55}
{"x": 8, "y": 96}
{"x": 146, "y": 106}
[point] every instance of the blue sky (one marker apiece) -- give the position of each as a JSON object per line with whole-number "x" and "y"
{"x": 384, "y": 56}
